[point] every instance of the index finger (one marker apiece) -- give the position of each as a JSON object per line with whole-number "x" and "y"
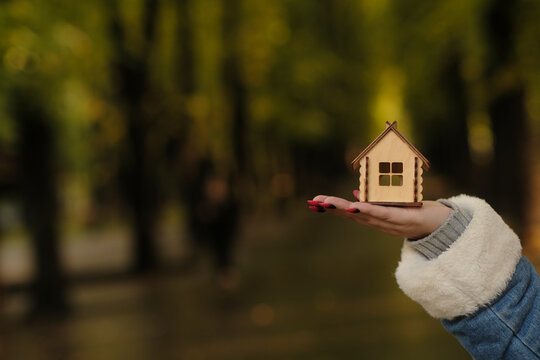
{"x": 338, "y": 202}
{"x": 320, "y": 198}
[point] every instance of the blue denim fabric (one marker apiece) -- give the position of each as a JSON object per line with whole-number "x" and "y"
{"x": 509, "y": 327}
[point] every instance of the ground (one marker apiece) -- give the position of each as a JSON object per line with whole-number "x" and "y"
{"x": 310, "y": 286}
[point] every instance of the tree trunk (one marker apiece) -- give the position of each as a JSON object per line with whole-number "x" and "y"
{"x": 36, "y": 148}
{"x": 509, "y": 179}
{"x": 234, "y": 85}
{"x": 186, "y": 60}
{"x": 132, "y": 76}
{"x": 450, "y": 149}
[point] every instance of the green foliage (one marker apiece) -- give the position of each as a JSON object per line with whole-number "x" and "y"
{"x": 315, "y": 73}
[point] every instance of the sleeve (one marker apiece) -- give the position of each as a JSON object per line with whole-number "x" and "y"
{"x": 507, "y": 328}
{"x": 487, "y": 294}
{"x": 440, "y": 240}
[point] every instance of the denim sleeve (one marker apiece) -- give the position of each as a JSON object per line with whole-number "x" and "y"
{"x": 508, "y": 327}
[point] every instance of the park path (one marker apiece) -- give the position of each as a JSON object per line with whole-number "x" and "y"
{"x": 309, "y": 287}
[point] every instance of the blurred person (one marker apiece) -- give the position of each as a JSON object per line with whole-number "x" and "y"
{"x": 464, "y": 265}
{"x": 213, "y": 219}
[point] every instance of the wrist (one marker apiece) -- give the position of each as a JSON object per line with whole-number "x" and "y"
{"x": 444, "y": 235}
{"x": 438, "y": 214}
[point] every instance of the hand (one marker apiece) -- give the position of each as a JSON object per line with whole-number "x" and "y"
{"x": 409, "y": 222}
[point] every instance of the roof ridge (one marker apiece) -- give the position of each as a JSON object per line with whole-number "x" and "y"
{"x": 391, "y": 127}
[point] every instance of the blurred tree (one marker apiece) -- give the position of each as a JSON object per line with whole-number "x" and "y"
{"x": 131, "y": 75}
{"x": 214, "y": 193}
{"x": 235, "y": 88}
{"x": 268, "y": 94}
{"x": 185, "y": 41}
{"x": 446, "y": 135}
{"x": 508, "y": 182}
{"x": 190, "y": 170}
{"x": 39, "y": 189}
{"x": 430, "y": 48}
{"x": 207, "y": 189}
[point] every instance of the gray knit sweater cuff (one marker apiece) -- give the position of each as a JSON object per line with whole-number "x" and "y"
{"x": 440, "y": 240}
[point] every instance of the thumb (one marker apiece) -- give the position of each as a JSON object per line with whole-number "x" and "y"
{"x": 356, "y": 194}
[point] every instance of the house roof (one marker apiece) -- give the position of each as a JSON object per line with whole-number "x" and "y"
{"x": 391, "y": 127}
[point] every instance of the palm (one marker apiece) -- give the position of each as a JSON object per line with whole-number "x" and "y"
{"x": 399, "y": 221}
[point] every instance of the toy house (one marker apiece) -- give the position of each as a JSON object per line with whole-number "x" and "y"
{"x": 391, "y": 170}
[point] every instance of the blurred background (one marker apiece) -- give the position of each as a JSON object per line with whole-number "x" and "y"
{"x": 156, "y": 155}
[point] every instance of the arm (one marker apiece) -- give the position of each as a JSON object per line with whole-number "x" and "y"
{"x": 508, "y": 327}
{"x": 472, "y": 274}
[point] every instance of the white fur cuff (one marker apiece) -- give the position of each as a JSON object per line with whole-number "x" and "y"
{"x": 471, "y": 273}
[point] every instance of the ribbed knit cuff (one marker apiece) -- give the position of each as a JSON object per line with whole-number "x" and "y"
{"x": 440, "y": 240}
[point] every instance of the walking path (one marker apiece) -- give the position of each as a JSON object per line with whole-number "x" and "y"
{"x": 308, "y": 289}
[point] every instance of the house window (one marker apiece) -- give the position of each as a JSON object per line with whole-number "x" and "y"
{"x": 390, "y": 174}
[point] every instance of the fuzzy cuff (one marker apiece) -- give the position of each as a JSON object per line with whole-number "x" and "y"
{"x": 471, "y": 273}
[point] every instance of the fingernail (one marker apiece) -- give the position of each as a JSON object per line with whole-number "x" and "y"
{"x": 355, "y": 194}
{"x": 313, "y": 202}
{"x": 352, "y": 210}
{"x": 316, "y": 208}
{"x": 328, "y": 206}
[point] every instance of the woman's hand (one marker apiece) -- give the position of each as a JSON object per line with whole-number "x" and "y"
{"x": 409, "y": 222}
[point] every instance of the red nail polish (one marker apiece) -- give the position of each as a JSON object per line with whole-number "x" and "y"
{"x": 313, "y": 202}
{"x": 352, "y": 210}
{"x": 355, "y": 194}
{"x": 328, "y": 206}
{"x": 316, "y": 208}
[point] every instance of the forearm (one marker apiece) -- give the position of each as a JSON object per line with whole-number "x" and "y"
{"x": 509, "y": 326}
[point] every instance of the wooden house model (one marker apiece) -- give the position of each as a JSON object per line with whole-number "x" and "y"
{"x": 391, "y": 170}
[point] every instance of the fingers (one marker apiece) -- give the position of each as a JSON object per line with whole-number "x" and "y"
{"x": 352, "y": 211}
{"x": 329, "y": 202}
{"x": 339, "y": 203}
{"x": 315, "y": 204}
{"x": 375, "y": 211}
{"x": 320, "y": 198}
{"x": 390, "y": 220}
{"x": 398, "y": 221}
{"x": 367, "y": 212}
{"x": 316, "y": 208}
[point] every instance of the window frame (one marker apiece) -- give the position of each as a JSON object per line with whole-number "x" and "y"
{"x": 389, "y": 171}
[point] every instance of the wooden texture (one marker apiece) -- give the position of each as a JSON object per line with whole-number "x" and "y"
{"x": 390, "y": 128}
{"x": 391, "y": 149}
{"x": 362, "y": 180}
{"x": 415, "y": 179}
{"x": 419, "y": 180}
{"x": 366, "y": 188}
{"x": 380, "y": 183}
{"x": 390, "y": 203}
